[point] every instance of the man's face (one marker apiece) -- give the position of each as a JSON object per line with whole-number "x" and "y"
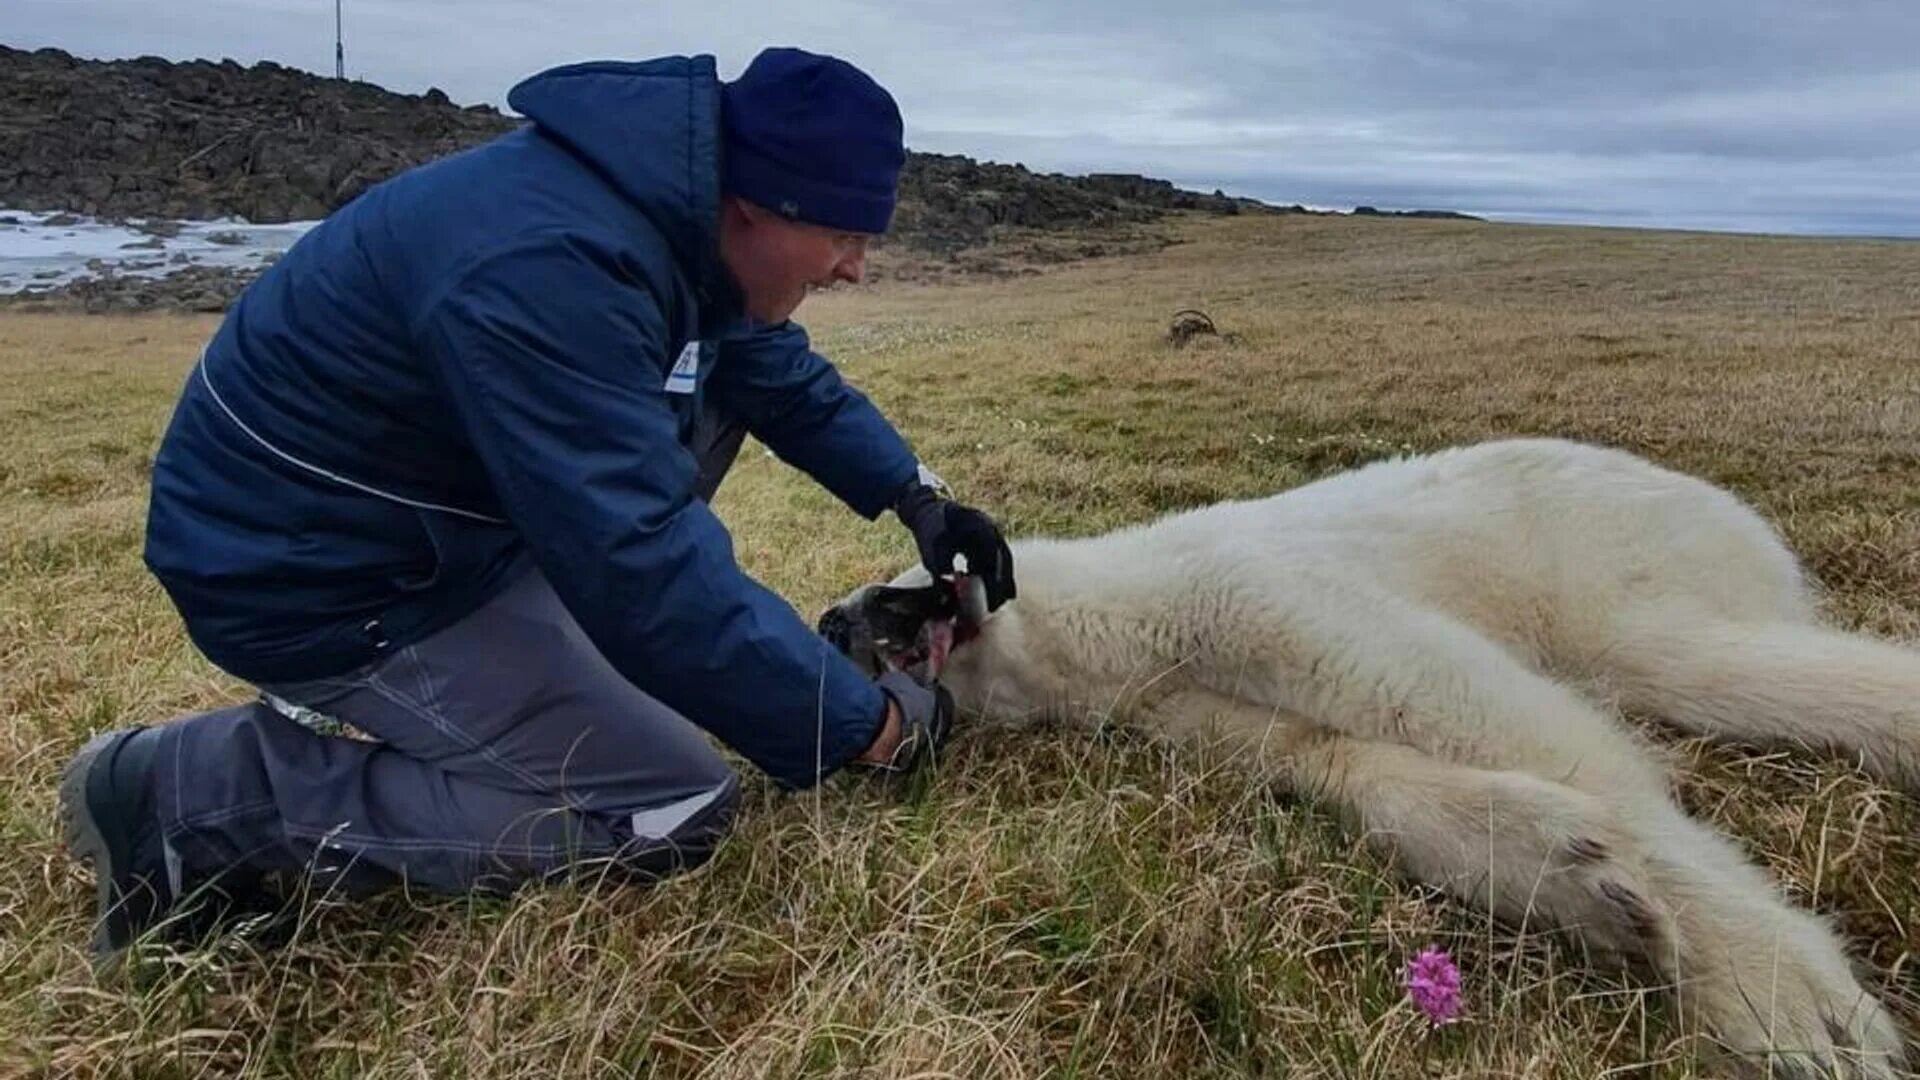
{"x": 777, "y": 261}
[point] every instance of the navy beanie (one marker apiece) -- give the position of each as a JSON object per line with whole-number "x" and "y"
{"x": 812, "y": 138}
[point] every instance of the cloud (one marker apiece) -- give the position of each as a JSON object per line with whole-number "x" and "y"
{"x": 1767, "y": 115}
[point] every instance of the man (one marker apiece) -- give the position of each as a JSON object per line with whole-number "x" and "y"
{"x": 442, "y": 477}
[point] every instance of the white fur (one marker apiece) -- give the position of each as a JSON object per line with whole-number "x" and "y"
{"x": 1434, "y": 645}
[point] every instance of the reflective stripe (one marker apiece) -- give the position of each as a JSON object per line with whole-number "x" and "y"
{"x": 369, "y": 489}
{"x": 176, "y": 873}
{"x": 660, "y": 822}
{"x": 931, "y": 479}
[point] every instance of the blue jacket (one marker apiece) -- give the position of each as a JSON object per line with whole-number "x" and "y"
{"x": 495, "y": 361}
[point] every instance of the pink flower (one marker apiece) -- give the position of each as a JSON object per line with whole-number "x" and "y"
{"x": 1434, "y": 985}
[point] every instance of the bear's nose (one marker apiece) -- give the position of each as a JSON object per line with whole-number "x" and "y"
{"x": 837, "y": 628}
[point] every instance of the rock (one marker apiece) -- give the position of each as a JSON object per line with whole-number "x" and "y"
{"x": 227, "y": 237}
{"x": 62, "y": 220}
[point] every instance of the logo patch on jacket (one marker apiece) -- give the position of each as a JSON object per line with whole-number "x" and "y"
{"x": 686, "y": 370}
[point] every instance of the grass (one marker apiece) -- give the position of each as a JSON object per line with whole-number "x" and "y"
{"x": 1052, "y": 906}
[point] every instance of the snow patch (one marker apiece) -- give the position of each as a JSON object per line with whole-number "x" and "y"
{"x": 47, "y": 249}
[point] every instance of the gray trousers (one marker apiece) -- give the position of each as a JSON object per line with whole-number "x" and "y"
{"x": 504, "y": 749}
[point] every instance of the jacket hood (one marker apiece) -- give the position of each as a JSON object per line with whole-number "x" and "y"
{"x": 652, "y": 130}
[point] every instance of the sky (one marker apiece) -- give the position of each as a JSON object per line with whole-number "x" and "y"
{"x": 1782, "y": 116}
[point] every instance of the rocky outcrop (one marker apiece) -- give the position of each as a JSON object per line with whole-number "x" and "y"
{"x": 152, "y": 138}
{"x": 949, "y": 203}
{"x": 158, "y": 140}
{"x": 1444, "y": 215}
{"x": 199, "y": 139}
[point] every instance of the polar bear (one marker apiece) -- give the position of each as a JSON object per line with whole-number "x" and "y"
{"x": 1436, "y": 646}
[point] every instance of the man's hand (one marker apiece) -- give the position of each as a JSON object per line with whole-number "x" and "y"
{"x": 918, "y": 720}
{"x": 943, "y": 529}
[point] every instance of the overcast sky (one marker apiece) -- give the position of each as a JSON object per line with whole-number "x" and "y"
{"x": 1755, "y": 115}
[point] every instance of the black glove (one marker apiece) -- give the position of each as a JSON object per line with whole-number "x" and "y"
{"x": 943, "y": 528}
{"x": 926, "y": 719}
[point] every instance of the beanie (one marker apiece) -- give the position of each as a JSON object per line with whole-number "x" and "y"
{"x": 812, "y": 138}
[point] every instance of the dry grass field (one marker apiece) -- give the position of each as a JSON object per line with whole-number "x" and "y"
{"x": 1055, "y": 903}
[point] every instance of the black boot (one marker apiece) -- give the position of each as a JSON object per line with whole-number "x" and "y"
{"x": 107, "y": 808}
{"x": 111, "y": 821}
